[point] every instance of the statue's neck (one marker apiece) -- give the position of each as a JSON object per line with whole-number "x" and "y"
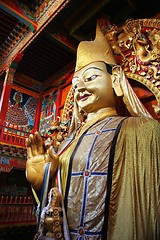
{"x": 103, "y": 112}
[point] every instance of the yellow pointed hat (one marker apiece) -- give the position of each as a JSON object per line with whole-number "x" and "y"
{"x": 93, "y": 51}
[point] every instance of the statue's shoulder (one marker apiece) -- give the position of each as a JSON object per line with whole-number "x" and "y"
{"x": 142, "y": 124}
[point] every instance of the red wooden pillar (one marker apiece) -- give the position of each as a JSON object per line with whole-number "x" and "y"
{"x": 6, "y": 93}
{"x": 38, "y": 114}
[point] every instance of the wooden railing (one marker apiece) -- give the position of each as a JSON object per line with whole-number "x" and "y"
{"x": 13, "y": 136}
{"x": 16, "y": 211}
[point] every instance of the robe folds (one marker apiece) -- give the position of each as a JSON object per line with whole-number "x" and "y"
{"x": 113, "y": 200}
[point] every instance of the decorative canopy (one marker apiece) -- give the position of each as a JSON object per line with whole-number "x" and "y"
{"x": 136, "y": 46}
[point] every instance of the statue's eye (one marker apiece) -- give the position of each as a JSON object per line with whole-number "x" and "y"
{"x": 91, "y": 78}
{"x": 75, "y": 86}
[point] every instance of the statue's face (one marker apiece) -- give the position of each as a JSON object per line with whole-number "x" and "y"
{"x": 93, "y": 87}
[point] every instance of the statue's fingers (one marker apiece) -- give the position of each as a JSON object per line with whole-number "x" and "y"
{"x": 27, "y": 142}
{"x": 47, "y": 143}
{"x": 33, "y": 145}
{"x": 28, "y": 146}
{"x": 52, "y": 156}
{"x": 39, "y": 143}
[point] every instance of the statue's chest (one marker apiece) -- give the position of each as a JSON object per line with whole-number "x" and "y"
{"x": 92, "y": 153}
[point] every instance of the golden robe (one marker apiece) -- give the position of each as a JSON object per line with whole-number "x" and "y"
{"x": 132, "y": 209}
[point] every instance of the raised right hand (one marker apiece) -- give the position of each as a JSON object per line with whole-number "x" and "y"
{"x": 37, "y": 157}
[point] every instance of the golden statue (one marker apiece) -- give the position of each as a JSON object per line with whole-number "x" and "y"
{"x": 109, "y": 164}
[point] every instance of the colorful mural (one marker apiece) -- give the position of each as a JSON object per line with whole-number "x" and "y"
{"x": 21, "y": 111}
{"x": 48, "y": 112}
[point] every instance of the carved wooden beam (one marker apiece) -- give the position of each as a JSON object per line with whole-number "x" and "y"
{"x": 13, "y": 9}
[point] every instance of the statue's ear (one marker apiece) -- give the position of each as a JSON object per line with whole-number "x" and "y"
{"x": 116, "y": 81}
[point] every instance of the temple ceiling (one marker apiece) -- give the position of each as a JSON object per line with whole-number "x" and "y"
{"x": 39, "y": 38}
